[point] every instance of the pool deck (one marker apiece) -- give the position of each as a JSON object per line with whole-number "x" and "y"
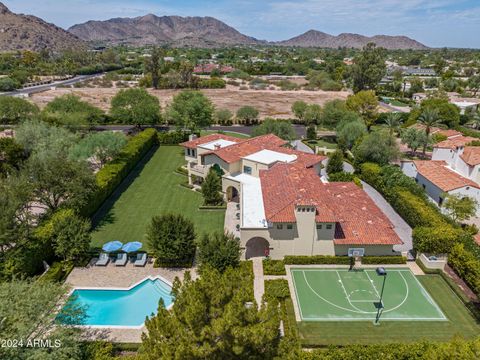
{"x": 112, "y": 276}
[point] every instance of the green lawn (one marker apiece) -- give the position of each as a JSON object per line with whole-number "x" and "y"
{"x": 152, "y": 189}
{"x": 321, "y": 143}
{"x": 229, "y": 133}
{"x": 460, "y": 322}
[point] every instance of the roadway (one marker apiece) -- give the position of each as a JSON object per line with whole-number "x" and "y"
{"x": 40, "y": 88}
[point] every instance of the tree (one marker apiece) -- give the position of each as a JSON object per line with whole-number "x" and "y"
{"x": 474, "y": 84}
{"x": 247, "y": 115}
{"x": 449, "y": 114}
{"x": 70, "y": 235}
{"x": 299, "y": 108}
{"x": 429, "y": 118}
{"x": 335, "y": 162}
{"x": 71, "y": 110}
{"x": 365, "y": 103}
{"x": 12, "y": 155}
{"x": 313, "y": 114}
{"x": 438, "y": 239}
{"x": 57, "y": 181}
{"x": 414, "y": 139}
{"x": 172, "y": 239}
{"x": 377, "y": 147}
{"x": 153, "y": 65}
{"x": 369, "y": 68}
{"x": 223, "y": 117}
{"x": 211, "y": 189}
{"x": 104, "y": 146}
{"x": 334, "y": 112}
{"x": 191, "y": 110}
{"x": 311, "y": 132}
{"x": 219, "y": 251}
{"x": 28, "y": 312}
{"x": 210, "y": 320}
{"x": 459, "y": 207}
{"x": 349, "y": 132}
{"x": 8, "y": 84}
{"x": 14, "y": 110}
{"x": 281, "y": 128}
{"x": 135, "y": 106}
{"x": 393, "y": 122}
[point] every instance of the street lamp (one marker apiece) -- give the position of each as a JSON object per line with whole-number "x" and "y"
{"x": 380, "y": 272}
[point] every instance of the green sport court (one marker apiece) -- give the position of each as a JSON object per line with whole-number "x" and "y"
{"x": 343, "y": 295}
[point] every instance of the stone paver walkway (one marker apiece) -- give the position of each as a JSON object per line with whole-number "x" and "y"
{"x": 403, "y": 230}
{"x": 258, "y": 280}
{"x": 231, "y": 220}
{"x": 414, "y": 268}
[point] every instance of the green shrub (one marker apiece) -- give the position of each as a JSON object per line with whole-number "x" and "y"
{"x": 58, "y": 272}
{"x": 316, "y": 259}
{"x": 277, "y": 289}
{"x": 213, "y": 83}
{"x": 112, "y": 174}
{"x": 467, "y": 266}
{"x": 8, "y": 84}
{"x": 371, "y": 174}
{"x": 436, "y": 239}
{"x": 273, "y": 267}
{"x": 374, "y": 260}
{"x": 172, "y": 137}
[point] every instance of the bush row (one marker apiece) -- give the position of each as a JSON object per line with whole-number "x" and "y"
{"x": 273, "y": 267}
{"x": 57, "y": 272}
{"x": 112, "y": 174}
{"x": 467, "y": 266}
{"x": 172, "y": 137}
{"x": 316, "y": 260}
{"x": 277, "y": 289}
{"x": 378, "y": 260}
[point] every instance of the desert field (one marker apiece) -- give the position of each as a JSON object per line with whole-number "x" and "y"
{"x": 270, "y": 103}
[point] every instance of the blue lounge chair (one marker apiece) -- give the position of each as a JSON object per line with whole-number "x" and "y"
{"x": 141, "y": 259}
{"x": 121, "y": 260}
{"x": 103, "y": 260}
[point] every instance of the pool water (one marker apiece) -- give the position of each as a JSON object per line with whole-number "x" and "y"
{"x": 121, "y": 307}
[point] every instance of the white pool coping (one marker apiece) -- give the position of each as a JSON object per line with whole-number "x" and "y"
{"x": 153, "y": 278}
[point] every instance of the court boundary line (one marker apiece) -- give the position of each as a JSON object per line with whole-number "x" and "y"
{"x": 303, "y": 318}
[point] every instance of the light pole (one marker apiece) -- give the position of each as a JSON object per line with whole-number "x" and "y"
{"x": 380, "y": 272}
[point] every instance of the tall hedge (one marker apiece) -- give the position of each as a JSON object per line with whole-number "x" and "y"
{"x": 466, "y": 265}
{"x": 112, "y": 174}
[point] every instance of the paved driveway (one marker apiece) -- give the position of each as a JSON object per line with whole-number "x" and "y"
{"x": 403, "y": 230}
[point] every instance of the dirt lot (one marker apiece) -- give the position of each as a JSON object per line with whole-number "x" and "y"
{"x": 274, "y": 103}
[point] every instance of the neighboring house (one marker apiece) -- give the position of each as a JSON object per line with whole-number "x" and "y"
{"x": 208, "y": 68}
{"x": 454, "y": 169}
{"x": 285, "y": 207}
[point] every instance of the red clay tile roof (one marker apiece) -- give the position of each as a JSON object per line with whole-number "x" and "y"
{"x": 208, "y": 138}
{"x": 208, "y": 68}
{"x": 449, "y": 133}
{"x": 476, "y": 237}
{"x": 234, "y": 153}
{"x": 438, "y": 174}
{"x": 471, "y": 155}
{"x": 358, "y": 220}
{"x": 455, "y": 142}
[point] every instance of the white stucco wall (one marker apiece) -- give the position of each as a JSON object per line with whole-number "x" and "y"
{"x": 409, "y": 169}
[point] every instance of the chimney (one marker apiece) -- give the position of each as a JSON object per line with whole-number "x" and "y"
{"x": 217, "y": 146}
{"x": 192, "y": 137}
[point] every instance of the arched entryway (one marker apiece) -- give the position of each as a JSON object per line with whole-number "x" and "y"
{"x": 232, "y": 194}
{"x": 256, "y": 247}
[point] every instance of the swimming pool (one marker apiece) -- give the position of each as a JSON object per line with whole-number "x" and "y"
{"x": 121, "y": 307}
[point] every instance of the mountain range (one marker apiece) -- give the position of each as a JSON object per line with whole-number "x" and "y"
{"x": 18, "y": 32}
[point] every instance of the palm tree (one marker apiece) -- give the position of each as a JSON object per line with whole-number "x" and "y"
{"x": 393, "y": 122}
{"x": 429, "y": 118}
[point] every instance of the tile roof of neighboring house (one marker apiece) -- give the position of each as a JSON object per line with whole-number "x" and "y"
{"x": 192, "y": 144}
{"x": 455, "y": 142}
{"x": 358, "y": 220}
{"x": 477, "y": 239}
{"x": 471, "y": 155}
{"x": 208, "y": 68}
{"x": 449, "y": 133}
{"x": 438, "y": 174}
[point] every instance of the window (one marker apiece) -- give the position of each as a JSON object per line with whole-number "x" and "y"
{"x": 329, "y": 226}
{"x": 289, "y": 227}
{"x": 247, "y": 170}
{"x": 279, "y": 226}
{"x": 319, "y": 226}
{"x": 423, "y": 185}
{"x": 188, "y": 152}
{"x": 193, "y": 153}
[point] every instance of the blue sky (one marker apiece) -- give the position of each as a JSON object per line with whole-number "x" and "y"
{"x": 437, "y": 23}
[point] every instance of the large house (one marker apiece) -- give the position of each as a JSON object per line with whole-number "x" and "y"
{"x": 454, "y": 169}
{"x": 285, "y": 207}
